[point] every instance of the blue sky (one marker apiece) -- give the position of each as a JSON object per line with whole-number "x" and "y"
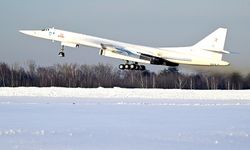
{"x": 146, "y": 22}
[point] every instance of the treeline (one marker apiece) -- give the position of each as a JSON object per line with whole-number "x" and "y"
{"x": 93, "y": 76}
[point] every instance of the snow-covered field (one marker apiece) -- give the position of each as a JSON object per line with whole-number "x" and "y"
{"x": 76, "y": 119}
{"x": 127, "y": 93}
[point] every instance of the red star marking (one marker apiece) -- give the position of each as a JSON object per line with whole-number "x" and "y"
{"x": 216, "y": 40}
{"x": 61, "y": 35}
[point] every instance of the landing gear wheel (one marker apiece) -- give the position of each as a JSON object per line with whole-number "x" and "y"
{"x": 142, "y": 68}
{"x": 137, "y": 67}
{"x": 127, "y": 66}
{"x": 121, "y": 66}
{"x": 61, "y": 54}
{"x": 132, "y": 67}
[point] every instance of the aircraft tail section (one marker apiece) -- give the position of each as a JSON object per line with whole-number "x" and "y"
{"x": 214, "y": 42}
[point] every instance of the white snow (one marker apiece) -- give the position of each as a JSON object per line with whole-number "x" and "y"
{"x": 121, "y": 119}
{"x": 127, "y": 93}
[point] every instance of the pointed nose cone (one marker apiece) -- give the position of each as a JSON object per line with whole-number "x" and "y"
{"x": 28, "y": 32}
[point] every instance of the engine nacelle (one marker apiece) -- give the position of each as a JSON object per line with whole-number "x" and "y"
{"x": 160, "y": 61}
{"x": 156, "y": 61}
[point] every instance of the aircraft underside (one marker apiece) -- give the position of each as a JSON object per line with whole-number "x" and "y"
{"x": 133, "y": 65}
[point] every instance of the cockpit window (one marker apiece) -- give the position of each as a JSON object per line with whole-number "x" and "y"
{"x": 45, "y": 29}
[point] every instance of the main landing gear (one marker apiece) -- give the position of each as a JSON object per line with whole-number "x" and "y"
{"x": 132, "y": 67}
{"x": 61, "y": 53}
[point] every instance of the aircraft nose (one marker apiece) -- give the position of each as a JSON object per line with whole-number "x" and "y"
{"x": 28, "y": 32}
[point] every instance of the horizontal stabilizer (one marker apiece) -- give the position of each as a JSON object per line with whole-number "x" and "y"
{"x": 218, "y": 51}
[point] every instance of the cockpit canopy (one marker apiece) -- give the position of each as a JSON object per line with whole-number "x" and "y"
{"x": 46, "y": 29}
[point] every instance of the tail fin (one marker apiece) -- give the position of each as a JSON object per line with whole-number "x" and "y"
{"x": 214, "y": 42}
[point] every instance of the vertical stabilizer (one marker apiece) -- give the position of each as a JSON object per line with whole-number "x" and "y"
{"x": 213, "y": 42}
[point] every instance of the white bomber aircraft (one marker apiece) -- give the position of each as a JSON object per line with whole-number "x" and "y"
{"x": 207, "y": 52}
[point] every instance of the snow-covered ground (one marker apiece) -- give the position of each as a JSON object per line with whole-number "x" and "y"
{"x": 111, "y": 119}
{"x": 127, "y": 93}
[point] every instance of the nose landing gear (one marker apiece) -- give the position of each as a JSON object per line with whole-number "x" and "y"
{"x": 61, "y": 53}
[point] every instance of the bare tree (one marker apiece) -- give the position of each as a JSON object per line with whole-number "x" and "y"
{"x": 101, "y": 75}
